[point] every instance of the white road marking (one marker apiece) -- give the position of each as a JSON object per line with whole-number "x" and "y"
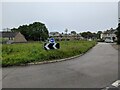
{"x": 116, "y": 83}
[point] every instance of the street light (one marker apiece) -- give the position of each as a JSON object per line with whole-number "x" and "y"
{"x": 66, "y": 30}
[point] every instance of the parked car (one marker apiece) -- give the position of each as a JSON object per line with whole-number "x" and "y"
{"x": 109, "y": 40}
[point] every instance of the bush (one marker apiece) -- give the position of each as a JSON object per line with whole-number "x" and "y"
{"x": 118, "y": 34}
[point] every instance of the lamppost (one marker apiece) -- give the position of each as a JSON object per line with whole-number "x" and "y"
{"x": 66, "y": 30}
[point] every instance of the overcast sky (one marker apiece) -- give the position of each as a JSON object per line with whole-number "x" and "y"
{"x": 78, "y": 16}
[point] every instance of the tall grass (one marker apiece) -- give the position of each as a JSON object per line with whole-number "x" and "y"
{"x": 16, "y": 54}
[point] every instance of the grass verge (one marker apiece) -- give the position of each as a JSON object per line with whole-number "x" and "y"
{"x": 17, "y": 54}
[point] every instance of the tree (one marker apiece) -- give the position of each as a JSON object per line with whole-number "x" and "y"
{"x": 87, "y": 35}
{"x": 14, "y": 29}
{"x": 73, "y": 32}
{"x": 118, "y": 34}
{"x": 66, "y": 30}
{"x": 84, "y": 34}
{"x": 94, "y": 35}
{"x": 36, "y": 31}
{"x": 99, "y": 34}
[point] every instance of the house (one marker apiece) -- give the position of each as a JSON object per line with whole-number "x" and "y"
{"x": 12, "y": 37}
{"x": 60, "y": 36}
{"x": 109, "y": 33}
{"x": 52, "y": 34}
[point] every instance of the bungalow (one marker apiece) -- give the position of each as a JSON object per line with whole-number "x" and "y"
{"x": 62, "y": 36}
{"x": 12, "y": 37}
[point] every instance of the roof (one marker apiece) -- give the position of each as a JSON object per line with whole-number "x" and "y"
{"x": 8, "y": 34}
{"x": 111, "y": 31}
{"x": 54, "y": 34}
{"x": 57, "y": 34}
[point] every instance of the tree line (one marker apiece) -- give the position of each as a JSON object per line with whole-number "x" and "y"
{"x": 89, "y": 35}
{"x": 37, "y": 31}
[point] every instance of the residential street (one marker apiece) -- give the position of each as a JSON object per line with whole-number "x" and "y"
{"x": 98, "y": 68}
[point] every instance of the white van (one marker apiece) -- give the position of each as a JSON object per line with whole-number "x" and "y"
{"x": 109, "y": 40}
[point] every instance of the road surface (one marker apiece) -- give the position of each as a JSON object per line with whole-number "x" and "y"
{"x": 98, "y": 68}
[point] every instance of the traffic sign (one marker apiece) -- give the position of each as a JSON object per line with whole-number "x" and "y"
{"x": 52, "y": 40}
{"x": 49, "y": 46}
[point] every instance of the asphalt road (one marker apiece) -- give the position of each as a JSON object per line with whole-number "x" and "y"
{"x": 98, "y": 68}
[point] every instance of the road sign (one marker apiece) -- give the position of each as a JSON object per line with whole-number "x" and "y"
{"x": 49, "y": 46}
{"x": 52, "y": 40}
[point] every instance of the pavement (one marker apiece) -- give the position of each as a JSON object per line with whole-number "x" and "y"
{"x": 98, "y": 68}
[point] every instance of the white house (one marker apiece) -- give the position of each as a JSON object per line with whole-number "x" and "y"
{"x": 109, "y": 33}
